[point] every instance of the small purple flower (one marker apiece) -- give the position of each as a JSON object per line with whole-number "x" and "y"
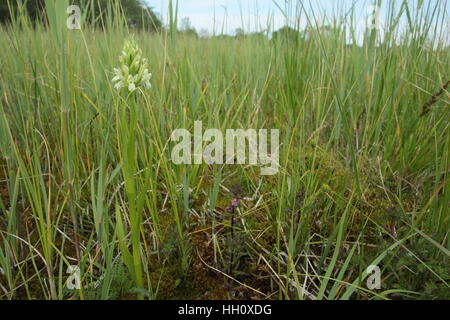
{"x": 234, "y": 203}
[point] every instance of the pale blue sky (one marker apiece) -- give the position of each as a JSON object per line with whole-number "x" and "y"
{"x": 257, "y": 15}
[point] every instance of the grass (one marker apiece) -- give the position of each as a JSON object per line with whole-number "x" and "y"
{"x": 364, "y": 177}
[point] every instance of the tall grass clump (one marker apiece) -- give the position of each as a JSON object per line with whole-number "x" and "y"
{"x": 87, "y": 180}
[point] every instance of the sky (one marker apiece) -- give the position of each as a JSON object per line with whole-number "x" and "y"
{"x": 225, "y": 16}
{"x": 215, "y": 15}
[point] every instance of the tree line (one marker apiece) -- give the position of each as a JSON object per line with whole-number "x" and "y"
{"x": 137, "y": 13}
